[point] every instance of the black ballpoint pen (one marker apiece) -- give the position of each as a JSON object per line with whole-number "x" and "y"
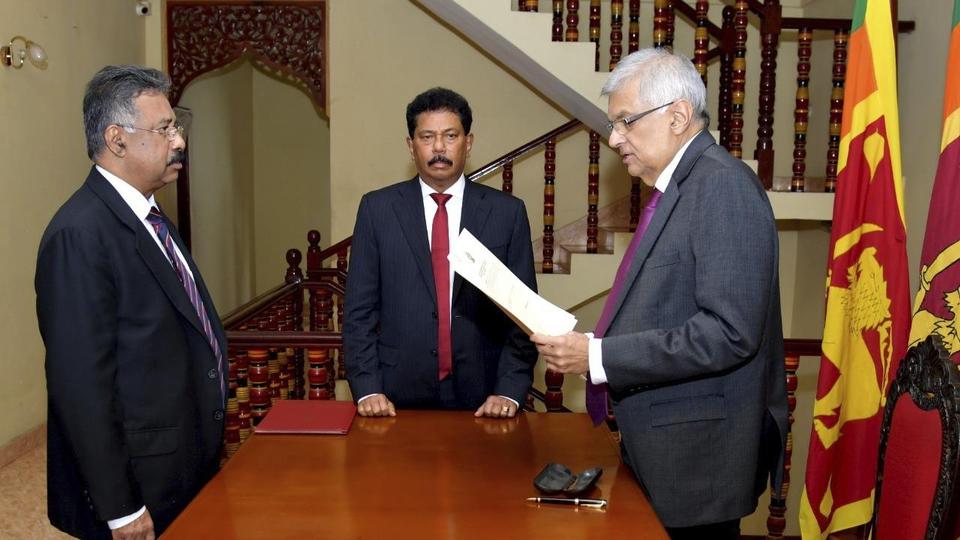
{"x": 590, "y": 503}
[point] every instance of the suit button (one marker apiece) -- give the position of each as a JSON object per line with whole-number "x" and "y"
{"x": 212, "y": 374}
{"x": 434, "y": 314}
{"x": 433, "y": 352}
{"x": 218, "y": 415}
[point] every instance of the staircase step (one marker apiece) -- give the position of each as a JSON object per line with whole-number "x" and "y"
{"x": 582, "y": 249}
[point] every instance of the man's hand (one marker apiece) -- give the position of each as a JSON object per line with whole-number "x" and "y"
{"x": 376, "y": 405}
{"x": 138, "y": 529}
{"x": 564, "y": 354}
{"x": 497, "y": 407}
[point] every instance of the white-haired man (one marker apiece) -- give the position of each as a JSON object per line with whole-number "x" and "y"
{"x": 690, "y": 342}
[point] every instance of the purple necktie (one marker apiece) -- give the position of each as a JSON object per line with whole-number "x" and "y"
{"x": 155, "y": 219}
{"x": 596, "y": 395}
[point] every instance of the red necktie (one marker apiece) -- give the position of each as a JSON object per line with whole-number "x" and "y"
{"x": 439, "y": 248}
{"x": 596, "y": 394}
{"x": 190, "y": 286}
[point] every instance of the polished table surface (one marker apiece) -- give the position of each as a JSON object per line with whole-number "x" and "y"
{"x": 422, "y": 474}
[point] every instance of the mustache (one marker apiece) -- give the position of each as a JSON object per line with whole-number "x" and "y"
{"x": 440, "y": 159}
{"x": 177, "y": 157}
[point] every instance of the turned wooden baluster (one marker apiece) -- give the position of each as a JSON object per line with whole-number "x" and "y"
{"x": 616, "y": 32}
{"x": 701, "y": 39}
{"x": 273, "y": 372}
{"x": 299, "y": 383}
{"x": 801, "y": 112}
{"x": 258, "y": 377}
{"x": 283, "y": 374}
{"x": 318, "y": 374}
{"x": 554, "y": 393}
{"x": 633, "y": 45}
{"x": 573, "y": 20}
{"x": 549, "y": 172}
{"x": 725, "y": 104}
{"x": 660, "y": 23}
{"x": 595, "y": 32}
{"x": 635, "y": 191}
{"x": 244, "y": 414}
{"x": 314, "y": 264}
{"x": 341, "y": 266}
{"x": 671, "y": 17}
{"x": 556, "y": 33}
{"x": 776, "y": 521}
{"x": 507, "y": 174}
{"x": 741, "y": 8}
{"x": 529, "y": 5}
{"x": 836, "y": 108}
{"x": 294, "y": 272}
{"x": 769, "y": 40}
{"x": 231, "y": 431}
{"x": 593, "y": 192}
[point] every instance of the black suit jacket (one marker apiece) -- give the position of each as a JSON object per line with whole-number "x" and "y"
{"x": 390, "y": 313}
{"x": 135, "y": 412}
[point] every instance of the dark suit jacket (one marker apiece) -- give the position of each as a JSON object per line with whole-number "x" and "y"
{"x": 135, "y": 411}
{"x": 390, "y": 312}
{"x": 694, "y": 353}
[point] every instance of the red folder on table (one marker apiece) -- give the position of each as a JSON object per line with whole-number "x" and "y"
{"x": 322, "y": 417}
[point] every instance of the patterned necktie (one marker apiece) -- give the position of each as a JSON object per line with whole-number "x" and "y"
{"x": 155, "y": 219}
{"x": 596, "y": 394}
{"x": 439, "y": 248}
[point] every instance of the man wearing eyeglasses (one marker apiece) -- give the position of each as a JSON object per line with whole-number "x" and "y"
{"x": 689, "y": 345}
{"x": 135, "y": 353}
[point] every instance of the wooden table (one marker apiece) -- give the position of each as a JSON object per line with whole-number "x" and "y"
{"x": 422, "y": 474}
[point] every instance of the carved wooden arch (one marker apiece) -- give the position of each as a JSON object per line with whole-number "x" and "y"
{"x": 288, "y": 37}
{"x": 284, "y": 37}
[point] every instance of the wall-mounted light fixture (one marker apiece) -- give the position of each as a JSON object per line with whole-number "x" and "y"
{"x": 14, "y": 55}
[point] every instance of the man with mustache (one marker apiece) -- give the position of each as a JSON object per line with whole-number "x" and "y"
{"x": 415, "y": 335}
{"x": 135, "y": 355}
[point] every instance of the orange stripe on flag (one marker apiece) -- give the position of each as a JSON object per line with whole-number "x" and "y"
{"x": 861, "y": 80}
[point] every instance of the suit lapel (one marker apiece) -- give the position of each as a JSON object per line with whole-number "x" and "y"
{"x": 148, "y": 249}
{"x": 473, "y": 217}
{"x": 665, "y": 208}
{"x": 409, "y": 210}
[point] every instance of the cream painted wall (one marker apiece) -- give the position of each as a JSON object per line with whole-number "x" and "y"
{"x": 44, "y": 160}
{"x": 222, "y": 182}
{"x": 291, "y": 169}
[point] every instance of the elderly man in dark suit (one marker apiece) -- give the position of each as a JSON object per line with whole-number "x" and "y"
{"x": 135, "y": 350}
{"x": 415, "y": 335}
{"x": 690, "y": 341}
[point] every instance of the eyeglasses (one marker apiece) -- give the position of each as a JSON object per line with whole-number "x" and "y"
{"x": 622, "y": 125}
{"x": 171, "y": 132}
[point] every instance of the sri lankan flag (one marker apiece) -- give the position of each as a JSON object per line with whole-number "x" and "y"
{"x": 937, "y": 302}
{"x": 868, "y": 302}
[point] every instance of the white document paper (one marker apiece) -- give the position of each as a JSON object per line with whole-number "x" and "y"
{"x": 472, "y": 260}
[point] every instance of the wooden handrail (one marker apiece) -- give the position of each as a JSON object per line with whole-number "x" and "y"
{"x": 245, "y": 311}
{"x": 802, "y": 347}
{"x": 241, "y": 339}
{"x": 796, "y": 23}
{"x": 518, "y": 152}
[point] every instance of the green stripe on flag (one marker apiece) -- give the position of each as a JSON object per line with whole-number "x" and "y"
{"x": 859, "y": 13}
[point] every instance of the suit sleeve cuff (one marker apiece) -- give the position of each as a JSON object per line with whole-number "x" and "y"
{"x": 511, "y": 400}
{"x": 595, "y": 358}
{"x": 367, "y": 396}
{"x": 125, "y": 520}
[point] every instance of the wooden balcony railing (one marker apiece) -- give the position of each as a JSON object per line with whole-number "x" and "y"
{"x": 729, "y": 48}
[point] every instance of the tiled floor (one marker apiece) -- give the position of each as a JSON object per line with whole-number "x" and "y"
{"x": 23, "y": 498}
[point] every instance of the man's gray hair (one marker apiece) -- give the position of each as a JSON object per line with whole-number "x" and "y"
{"x": 109, "y": 100}
{"x": 664, "y": 77}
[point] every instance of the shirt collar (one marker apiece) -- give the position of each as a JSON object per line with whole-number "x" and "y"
{"x": 456, "y": 190}
{"x": 135, "y": 200}
{"x": 664, "y": 179}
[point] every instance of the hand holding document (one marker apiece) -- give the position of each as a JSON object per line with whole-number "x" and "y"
{"x": 472, "y": 260}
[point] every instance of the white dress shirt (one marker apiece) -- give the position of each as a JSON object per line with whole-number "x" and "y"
{"x": 594, "y": 349}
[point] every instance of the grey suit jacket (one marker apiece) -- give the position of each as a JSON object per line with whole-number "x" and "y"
{"x": 694, "y": 353}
